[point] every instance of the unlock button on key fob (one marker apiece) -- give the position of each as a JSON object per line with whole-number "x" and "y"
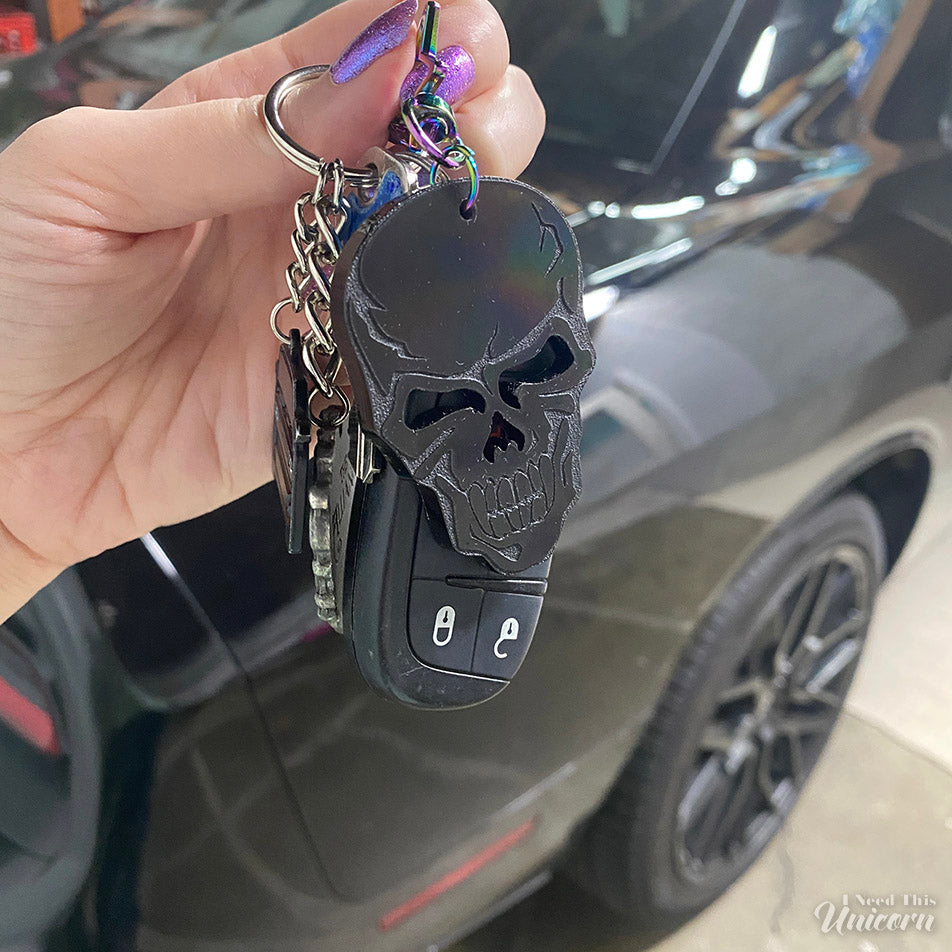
{"x": 442, "y": 623}
{"x": 506, "y": 625}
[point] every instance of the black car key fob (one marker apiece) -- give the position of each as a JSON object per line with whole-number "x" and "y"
{"x": 429, "y": 626}
{"x": 467, "y": 349}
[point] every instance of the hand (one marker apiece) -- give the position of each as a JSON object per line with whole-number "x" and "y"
{"x": 140, "y": 255}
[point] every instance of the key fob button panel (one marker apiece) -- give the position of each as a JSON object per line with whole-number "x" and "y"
{"x": 442, "y": 624}
{"x": 440, "y": 642}
{"x": 506, "y": 625}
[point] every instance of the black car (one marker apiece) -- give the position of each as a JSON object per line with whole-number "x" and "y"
{"x": 761, "y": 191}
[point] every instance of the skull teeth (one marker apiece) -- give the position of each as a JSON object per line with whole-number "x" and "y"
{"x": 477, "y": 502}
{"x": 500, "y": 525}
{"x": 548, "y": 479}
{"x": 538, "y": 509}
{"x": 506, "y": 495}
{"x": 535, "y": 478}
{"x": 523, "y": 486}
{"x": 511, "y": 504}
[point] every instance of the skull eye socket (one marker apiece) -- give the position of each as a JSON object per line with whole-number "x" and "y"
{"x": 553, "y": 359}
{"x": 426, "y": 407}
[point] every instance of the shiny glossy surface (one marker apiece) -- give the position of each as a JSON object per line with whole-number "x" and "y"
{"x": 385, "y": 33}
{"x": 459, "y": 71}
{"x": 772, "y": 310}
{"x": 432, "y": 306}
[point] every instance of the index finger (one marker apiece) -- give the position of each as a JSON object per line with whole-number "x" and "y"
{"x": 472, "y": 24}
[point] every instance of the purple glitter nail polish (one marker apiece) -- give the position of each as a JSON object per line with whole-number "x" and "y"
{"x": 460, "y": 71}
{"x": 387, "y": 32}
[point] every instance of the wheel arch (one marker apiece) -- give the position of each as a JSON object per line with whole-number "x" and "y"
{"x": 897, "y": 486}
{"x": 895, "y": 476}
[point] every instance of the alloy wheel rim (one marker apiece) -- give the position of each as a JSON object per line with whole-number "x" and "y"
{"x": 769, "y": 725}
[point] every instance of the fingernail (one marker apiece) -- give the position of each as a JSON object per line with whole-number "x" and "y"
{"x": 387, "y": 32}
{"x": 459, "y": 73}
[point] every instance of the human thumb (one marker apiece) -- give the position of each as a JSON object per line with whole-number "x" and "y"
{"x": 156, "y": 169}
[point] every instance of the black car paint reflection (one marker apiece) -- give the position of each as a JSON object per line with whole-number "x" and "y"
{"x": 766, "y": 242}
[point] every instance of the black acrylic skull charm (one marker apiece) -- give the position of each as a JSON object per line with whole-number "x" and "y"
{"x": 467, "y": 349}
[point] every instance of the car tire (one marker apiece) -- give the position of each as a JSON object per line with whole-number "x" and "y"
{"x": 717, "y": 770}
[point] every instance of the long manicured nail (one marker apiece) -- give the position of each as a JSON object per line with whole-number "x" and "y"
{"x": 386, "y": 33}
{"x": 459, "y": 73}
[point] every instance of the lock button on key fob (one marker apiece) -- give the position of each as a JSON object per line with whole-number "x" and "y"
{"x": 442, "y": 624}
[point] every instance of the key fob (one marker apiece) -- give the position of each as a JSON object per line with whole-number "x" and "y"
{"x": 429, "y": 626}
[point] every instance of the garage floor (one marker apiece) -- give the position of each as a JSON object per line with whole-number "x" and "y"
{"x": 875, "y": 820}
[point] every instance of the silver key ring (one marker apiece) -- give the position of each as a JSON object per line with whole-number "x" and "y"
{"x": 296, "y": 153}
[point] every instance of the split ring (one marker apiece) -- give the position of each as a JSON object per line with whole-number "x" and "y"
{"x": 296, "y": 153}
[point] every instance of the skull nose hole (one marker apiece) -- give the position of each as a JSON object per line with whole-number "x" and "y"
{"x": 553, "y": 358}
{"x": 502, "y": 436}
{"x": 425, "y": 407}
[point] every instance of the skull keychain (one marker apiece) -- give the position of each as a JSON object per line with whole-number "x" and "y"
{"x": 436, "y": 498}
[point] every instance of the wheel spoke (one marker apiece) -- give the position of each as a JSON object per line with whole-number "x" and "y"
{"x": 737, "y": 816}
{"x": 794, "y": 623}
{"x": 809, "y": 696}
{"x": 764, "y": 772}
{"x": 797, "y": 764}
{"x": 841, "y": 658}
{"x": 700, "y": 791}
{"x": 821, "y": 603}
{"x": 705, "y": 837}
{"x": 747, "y": 688}
{"x": 717, "y": 738}
{"x": 843, "y": 630}
{"x": 709, "y": 782}
{"x": 783, "y": 796}
{"x": 797, "y": 723}
{"x": 776, "y": 629}
{"x": 814, "y": 646}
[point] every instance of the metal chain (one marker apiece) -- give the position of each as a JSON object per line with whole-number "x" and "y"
{"x": 319, "y": 218}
